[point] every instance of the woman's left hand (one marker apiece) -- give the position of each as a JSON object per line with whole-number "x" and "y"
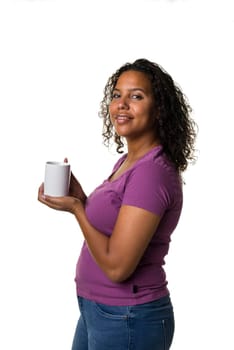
{"x": 66, "y": 203}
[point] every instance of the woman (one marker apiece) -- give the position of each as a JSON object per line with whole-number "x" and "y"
{"x": 127, "y": 221}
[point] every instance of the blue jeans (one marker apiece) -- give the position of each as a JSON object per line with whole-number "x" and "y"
{"x": 148, "y": 326}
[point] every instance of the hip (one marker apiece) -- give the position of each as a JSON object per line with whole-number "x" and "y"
{"x": 143, "y": 326}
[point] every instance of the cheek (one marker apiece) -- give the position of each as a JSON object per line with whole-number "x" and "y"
{"x": 112, "y": 111}
{"x": 111, "y": 108}
{"x": 111, "y": 120}
{"x": 147, "y": 113}
{"x": 149, "y": 118}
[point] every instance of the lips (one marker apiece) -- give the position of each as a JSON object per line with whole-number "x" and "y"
{"x": 122, "y": 117}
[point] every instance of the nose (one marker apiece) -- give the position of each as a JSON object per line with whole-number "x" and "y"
{"x": 123, "y": 103}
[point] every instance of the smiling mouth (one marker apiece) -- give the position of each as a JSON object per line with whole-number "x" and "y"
{"x": 121, "y": 117}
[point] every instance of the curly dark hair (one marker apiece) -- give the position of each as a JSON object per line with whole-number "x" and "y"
{"x": 174, "y": 127}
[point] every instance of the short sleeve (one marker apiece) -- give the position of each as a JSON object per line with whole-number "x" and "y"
{"x": 149, "y": 186}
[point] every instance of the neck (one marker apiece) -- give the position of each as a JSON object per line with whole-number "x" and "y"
{"x": 137, "y": 149}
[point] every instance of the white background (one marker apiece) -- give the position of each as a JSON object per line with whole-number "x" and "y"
{"x": 55, "y": 58}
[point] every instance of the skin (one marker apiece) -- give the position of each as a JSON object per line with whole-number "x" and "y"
{"x": 132, "y": 113}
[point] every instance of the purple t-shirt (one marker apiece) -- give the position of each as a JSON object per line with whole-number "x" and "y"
{"x": 153, "y": 184}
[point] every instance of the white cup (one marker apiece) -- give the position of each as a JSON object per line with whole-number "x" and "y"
{"x": 57, "y": 179}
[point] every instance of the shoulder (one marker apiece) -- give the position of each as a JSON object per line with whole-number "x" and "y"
{"x": 153, "y": 184}
{"x": 156, "y": 166}
{"x": 157, "y": 176}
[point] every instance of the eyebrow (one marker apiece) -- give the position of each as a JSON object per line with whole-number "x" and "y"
{"x": 133, "y": 89}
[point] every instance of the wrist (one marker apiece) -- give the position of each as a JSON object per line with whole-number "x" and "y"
{"x": 77, "y": 207}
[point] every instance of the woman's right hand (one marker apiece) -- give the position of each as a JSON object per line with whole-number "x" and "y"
{"x": 75, "y": 189}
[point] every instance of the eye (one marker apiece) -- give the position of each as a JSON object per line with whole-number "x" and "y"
{"x": 136, "y": 97}
{"x": 115, "y": 95}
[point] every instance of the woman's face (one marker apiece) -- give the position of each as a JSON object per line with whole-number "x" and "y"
{"x": 132, "y": 109}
